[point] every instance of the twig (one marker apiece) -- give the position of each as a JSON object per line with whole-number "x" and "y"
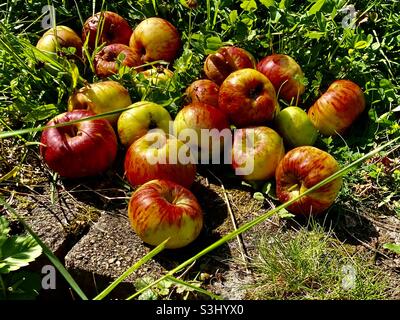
{"x": 365, "y": 244}
{"x": 232, "y": 216}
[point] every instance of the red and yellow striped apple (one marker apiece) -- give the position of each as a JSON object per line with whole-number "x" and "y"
{"x": 226, "y": 60}
{"x": 248, "y": 98}
{"x": 112, "y": 28}
{"x": 205, "y": 91}
{"x": 101, "y": 97}
{"x": 301, "y": 169}
{"x": 337, "y": 108}
{"x": 158, "y": 155}
{"x": 285, "y": 74}
{"x": 105, "y": 61}
{"x": 162, "y": 209}
{"x": 81, "y": 149}
{"x": 156, "y": 39}
{"x": 201, "y": 126}
{"x": 256, "y": 153}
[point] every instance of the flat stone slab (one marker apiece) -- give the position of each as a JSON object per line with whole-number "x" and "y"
{"x": 111, "y": 246}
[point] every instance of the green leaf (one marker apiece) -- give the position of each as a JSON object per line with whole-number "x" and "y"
{"x": 148, "y": 295}
{"x": 268, "y": 3}
{"x": 284, "y": 214}
{"x": 22, "y": 285}
{"x": 316, "y": 7}
{"x": 47, "y": 251}
{"x": 233, "y": 16}
{"x": 4, "y": 226}
{"x": 258, "y": 196}
{"x": 315, "y": 34}
{"x": 248, "y": 5}
{"x": 4, "y": 230}
{"x": 375, "y": 46}
{"x": 74, "y": 75}
{"x": 361, "y": 44}
{"x": 17, "y": 252}
{"x": 392, "y": 247}
{"x": 214, "y": 43}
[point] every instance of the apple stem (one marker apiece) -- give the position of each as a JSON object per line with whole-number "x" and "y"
{"x": 293, "y": 187}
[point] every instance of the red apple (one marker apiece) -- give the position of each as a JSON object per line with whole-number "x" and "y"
{"x": 226, "y": 60}
{"x": 301, "y": 169}
{"x": 105, "y": 62}
{"x": 82, "y": 149}
{"x": 202, "y": 126}
{"x": 60, "y": 37}
{"x": 205, "y": 91}
{"x": 285, "y": 74}
{"x": 256, "y": 153}
{"x": 337, "y": 108}
{"x": 111, "y": 26}
{"x": 161, "y": 209}
{"x": 158, "y": 155}
{"x": 101, "y": 97}
{"x": 156, "y": 39}
{"x": 141, "y": 118}
{"x": 248, "y": 98}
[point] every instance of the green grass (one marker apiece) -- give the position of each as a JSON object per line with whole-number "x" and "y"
{"x": 311, "y": 264}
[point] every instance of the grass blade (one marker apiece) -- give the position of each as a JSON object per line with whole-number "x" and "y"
{"x": 132, "y": 269}
{"x": 54, "y": 260}
{"x": 186, "y": 284}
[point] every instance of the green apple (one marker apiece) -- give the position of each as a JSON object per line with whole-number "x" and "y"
{"x": 142, "y": 117}
{"x": 295, "y": 127}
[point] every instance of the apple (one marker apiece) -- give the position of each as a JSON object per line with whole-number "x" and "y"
{"x": 285, "y": 74}
{"x": 248, "y": 98}
{"x": 256, "y": 153}
{"x": 156, "y": 39}
{"x": 200, "y": 126}
{"x": 156, "y": 77}
{"x": 205, "y": 91}
{"x": 101, "y": 97}
{"x": 162, "y": 209}
{"x": 105, "y": 61}
{"x": 81, "y": 149}
{"x": 296, "y": 128}
{"x": 138, "y": 120}
{"x": 60, "y": 37}
{"x": 158, "y": 74}
{"x": 158, "y": 155}
{"x": 112, "y": 28}
{"x": 301, "y": 169}
{"x": 337, "y": 108}
{"x": 226, "y": 60}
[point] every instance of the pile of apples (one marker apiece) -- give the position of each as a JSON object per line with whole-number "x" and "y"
{"x": 236, "y": 92}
